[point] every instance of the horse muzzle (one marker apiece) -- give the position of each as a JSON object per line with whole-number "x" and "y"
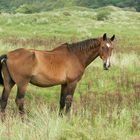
{"x": 106, "y": 66}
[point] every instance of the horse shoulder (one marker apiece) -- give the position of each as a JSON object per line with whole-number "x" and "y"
{"x": 74, "y": 69}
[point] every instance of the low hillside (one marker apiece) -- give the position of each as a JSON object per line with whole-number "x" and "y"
{"x": 71, "y": 24}
{"x": 33, "y": 6}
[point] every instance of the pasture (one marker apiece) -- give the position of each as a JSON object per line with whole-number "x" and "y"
{"x": 106, "y": 104}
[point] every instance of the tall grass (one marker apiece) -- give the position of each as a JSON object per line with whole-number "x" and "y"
{"x": 105, "y": 120}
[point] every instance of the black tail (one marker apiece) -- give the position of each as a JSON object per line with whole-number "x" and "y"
{"x": 2, "y": 59}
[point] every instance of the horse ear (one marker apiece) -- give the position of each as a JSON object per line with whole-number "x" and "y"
{"x": 104, "y": 37}
{"x": 112, "y": 38}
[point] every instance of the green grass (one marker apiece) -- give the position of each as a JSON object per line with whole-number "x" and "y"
{"x": 78, "y": 23}
{"x": 106, "y": 103}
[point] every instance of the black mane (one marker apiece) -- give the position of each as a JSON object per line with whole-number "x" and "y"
{"x": 83, "y": 45}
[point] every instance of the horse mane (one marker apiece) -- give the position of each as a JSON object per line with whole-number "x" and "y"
{"x": 85, "y": 45}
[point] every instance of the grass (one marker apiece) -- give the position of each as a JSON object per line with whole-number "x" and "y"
{"x": 106, "y": 103}
{"x": 102, "y": 120}
{"x": 78, "y": 23}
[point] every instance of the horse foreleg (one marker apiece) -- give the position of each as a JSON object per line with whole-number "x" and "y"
{"x": 62, "y": 98}
{"x": 20, "y": 98}
{"x": 69, "y": 96}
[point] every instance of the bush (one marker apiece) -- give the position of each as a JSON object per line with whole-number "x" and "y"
{"x": 103, "y": 15}
{"x": 66, "y": 13}
{"x": 28, "y": 8}
{"x": 129, "y": 9}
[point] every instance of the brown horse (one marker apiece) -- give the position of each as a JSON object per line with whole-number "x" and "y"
{"x": 63, "y": 65}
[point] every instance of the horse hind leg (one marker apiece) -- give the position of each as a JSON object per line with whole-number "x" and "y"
{"x": 8, "y": 83}
{"x": 5, "y": 95}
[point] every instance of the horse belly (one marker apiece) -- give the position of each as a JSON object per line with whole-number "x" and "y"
{"x": 47, "y": 81}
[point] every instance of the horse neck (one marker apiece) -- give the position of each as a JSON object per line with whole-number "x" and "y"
{"x": 86, "y": 57}
{"x": 91, "y": 56}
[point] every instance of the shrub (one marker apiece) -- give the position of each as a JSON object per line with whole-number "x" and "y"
{"x": 66, "y": 13}
{"x": 129, "y": 9}
{"x": 103, "y": 15}
{"x": 28, "y": 8}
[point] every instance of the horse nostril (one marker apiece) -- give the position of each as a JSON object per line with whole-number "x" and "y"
{"x": 105, "y": 66}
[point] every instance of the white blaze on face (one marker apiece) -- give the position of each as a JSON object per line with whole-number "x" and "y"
{"x": 108, "y": 45}
{"x": 108, "y": 62}
{"x": 108, "y": 59}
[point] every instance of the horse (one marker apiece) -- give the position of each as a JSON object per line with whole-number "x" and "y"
{"x": 63, "y": 66}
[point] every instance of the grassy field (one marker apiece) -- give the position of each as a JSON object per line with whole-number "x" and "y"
{"x": 106, "y": 104}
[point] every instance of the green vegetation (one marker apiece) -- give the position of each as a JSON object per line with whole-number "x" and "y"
{"x": 71, "y": 24}
{"x": 106, "y": 104}
{"x": 33, "y": 6}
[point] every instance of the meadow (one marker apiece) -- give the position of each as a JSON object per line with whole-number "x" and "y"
{"x": 106, "y": 104}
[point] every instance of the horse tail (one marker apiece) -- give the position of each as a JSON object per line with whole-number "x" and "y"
{"x": 2, "y": 59}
